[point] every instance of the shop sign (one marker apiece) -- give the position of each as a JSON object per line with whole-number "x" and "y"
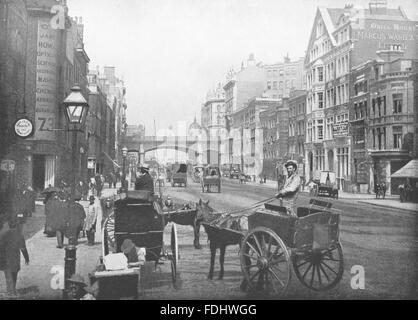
{"x": 7, "y": 165}
{"x": 340, "y": 129}
{"x": 23, "y": 127}
{"x": 91, "y": 163}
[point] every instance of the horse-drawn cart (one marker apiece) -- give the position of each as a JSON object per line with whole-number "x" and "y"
{"x": 138, "y": 217}
{"x": 276, "y": 241}
{"x": 211, "y": 177}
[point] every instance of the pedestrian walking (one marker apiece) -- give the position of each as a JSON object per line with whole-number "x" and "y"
{"x": 11, "y": 245}
{"x": 112, "y": 181}
{"x": 99, "y": 184}
{"x": 50, "y": 209}
{"x": 80, "y": 191}
{"x": 91, "y": 219}
{"x": 75, "y": 221}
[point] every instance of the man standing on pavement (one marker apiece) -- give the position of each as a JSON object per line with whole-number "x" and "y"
{"x": 90, "y": 222}
{"x": 11, "y": 245}
{"x": 99, "y": 184}
{"x": 75, "y": 220}
{"x": 291, "y": 187}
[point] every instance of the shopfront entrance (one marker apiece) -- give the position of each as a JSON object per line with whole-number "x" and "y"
{"x": 38, "y": 176}
{"x": 43, "y": 171}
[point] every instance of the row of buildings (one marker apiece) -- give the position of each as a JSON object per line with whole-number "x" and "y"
{"x": 349, "y": 106}
{"x": 41, "y": 59}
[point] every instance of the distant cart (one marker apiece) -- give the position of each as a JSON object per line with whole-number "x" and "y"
{"x": 328, "y": 185}
{"x": 179, "y": 175}
{"x": 211, "y": 177}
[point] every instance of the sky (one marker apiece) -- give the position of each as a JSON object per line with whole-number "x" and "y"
{"x": 170, "y": 53}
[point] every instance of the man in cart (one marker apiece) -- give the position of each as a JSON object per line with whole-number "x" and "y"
{"x": 291, "y": 187}
{"x": 144, "y": 181}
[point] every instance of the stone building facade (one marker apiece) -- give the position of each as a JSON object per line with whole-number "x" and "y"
{"x": 340, "y": 39}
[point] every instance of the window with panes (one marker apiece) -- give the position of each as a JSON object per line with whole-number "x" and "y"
{"x": 397, "y": 137}
{"x": 397, "y": 103}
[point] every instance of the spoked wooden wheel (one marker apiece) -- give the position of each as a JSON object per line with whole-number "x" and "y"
{"x": 265, "y": 262}
{"x": 108, "y": 233}
{"x": 174, "y": 253}
{"x": 319, "y": 270}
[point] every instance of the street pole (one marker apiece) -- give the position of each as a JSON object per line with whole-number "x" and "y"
{"x": 74, "y": 165}
{"x": 124, "y": 173}
{"x": 69, "y": 266}
{"x": 277, "y": 174}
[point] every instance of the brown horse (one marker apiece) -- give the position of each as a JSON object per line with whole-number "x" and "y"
{"x": 219, "y": 238}
{"x": 186, "y": 218}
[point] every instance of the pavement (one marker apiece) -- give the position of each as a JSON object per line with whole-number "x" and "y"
{"x": 41, "y": 278}
{"x": 391, "y": 201}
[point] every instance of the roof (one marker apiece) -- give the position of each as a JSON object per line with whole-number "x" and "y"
{"x": 410, "y": 170}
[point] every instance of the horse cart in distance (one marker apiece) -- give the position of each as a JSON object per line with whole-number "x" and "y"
{"x": 139, "y": 218}
{"x": 179, "y": 175}
{"x": 211, "y": 177}
{"x": 328, "y": 185}
{"x": 276, "y": 241}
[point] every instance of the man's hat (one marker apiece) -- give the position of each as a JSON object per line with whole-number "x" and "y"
{"x": 127, "y": 245}
{"x": 291, "y": 163}
{"x": 144, "y": 167}
{"x": 76, "y": 278}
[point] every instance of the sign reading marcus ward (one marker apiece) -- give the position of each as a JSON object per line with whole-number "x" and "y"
{"x": 375, "y": 35}
{"x": 46, "y": 81}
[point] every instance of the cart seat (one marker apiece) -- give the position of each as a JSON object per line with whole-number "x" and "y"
{"x": 314, "y": 207}
{"x": 144, "y": 195}
{"x": 275, "y": 206}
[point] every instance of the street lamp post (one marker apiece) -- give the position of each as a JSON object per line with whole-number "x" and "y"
{"x": 76, "y": 108}
{"x": 124, "y": 154}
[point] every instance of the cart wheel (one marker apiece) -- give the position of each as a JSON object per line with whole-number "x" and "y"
{"x": 174, "y": 253}
{"x": 109, "y": 234}
{"x": 325, "y": 265}
{"x": 265, "y": 262}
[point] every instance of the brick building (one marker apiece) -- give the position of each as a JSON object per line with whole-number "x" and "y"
{"x": 13, "y": 39}
{"x": 297, "y": 125}
{"x": 284, "y": 77}
{"x": 274, "y": 122}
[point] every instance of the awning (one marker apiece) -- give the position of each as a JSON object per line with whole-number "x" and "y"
{"x": 410, "y": 170}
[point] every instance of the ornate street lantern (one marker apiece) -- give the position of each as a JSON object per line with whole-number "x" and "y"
{"x": 76, "y": 107}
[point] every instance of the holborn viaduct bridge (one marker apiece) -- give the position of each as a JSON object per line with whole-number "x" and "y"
{"x": 197, "y": 151}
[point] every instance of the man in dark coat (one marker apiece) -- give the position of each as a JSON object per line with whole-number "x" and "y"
{"x": 144, "y": 181}
{"x": 60, "y": 212}
{"x": 12, "y": 244}
{"x": 74, "y": 221}
{"x": 51, "y": 201}
{"x": 99, "y": 184}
